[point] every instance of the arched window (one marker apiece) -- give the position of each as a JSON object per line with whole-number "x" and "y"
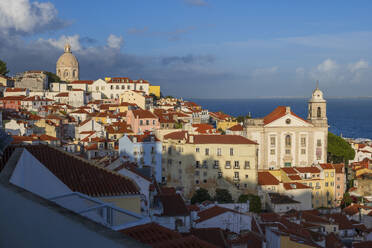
{"x": 65, "y": 74}
{"x": 74, "y": 73}
{"x": 59, "y": 73}
{"x": 318, "y": 112}
{"x": 288, "y": 140}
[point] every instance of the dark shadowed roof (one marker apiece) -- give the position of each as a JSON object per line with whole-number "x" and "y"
{"x": 173, "y": 205}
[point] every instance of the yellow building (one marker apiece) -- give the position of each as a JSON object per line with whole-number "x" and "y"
{"x": 209, "y": 161}
{"x": 329, "y": 175}
{"x": 224, "y": 125}
{"x": 47, "y": 127}
{"x": 155, "y": 90}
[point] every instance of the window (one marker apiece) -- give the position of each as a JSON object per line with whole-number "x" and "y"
{"x": 318, "y": 112}
{"x": 338, "y": 186}
{"x": 205, "y": 174}
{"x": 110, "y": 145}
{"x": 112, "y": 87}
{"x": 97, "y": 88}
{"x": 205, "y": 181}
{"x": 153, "y": 122}
{"x": 219, "y": 174}
{"x": 319, "y": 142}
{"x": 272, "y": 141}
{"x": 287, "y": 164}
{"x": 102, "y": 87}
{"x": 287, "y": 151}
{"x": 311, "y": 184}
{"x": 170, "y": 161}
{"x": 147, "y": 122}
{"x": 205, "y": 165}
{"x": 219, "y": 152}
{"x": 197, "y": 173}
{"x": 231, "y": 151}
{"x": 326, "y": 184}
{"x": 216, "y": 164}
{"x": 247, "y": 165}
{"x": 122, "y": 87}
{"x": 197, "y": 164}
{"x": 206, "y": 151}
{"x": 236, "y": 164}
{"x": 332, "y": 174}
{"x": 326, "y": 174}
{"x": 170, "y": 150}
{"x": 164, "y": 148}
{"x": 288, "y": 140}
{"x": 101, "y": 145}
{"x": 228, "y": 164}
{"x": 141, "y": 122}
{"x": 338, "y": 178}
{"x": 197, "y": 149}
{"x": 272, "y": 151}
{"x": 332, "y": 184}
{"x": 236, "y": 175}
{"x": 196, "y": 181}
{"x": 117, "y": 87}
{"x": 246, "y": 176}
{"x": 303, "y": 151}
{"x": 303, "y": 141}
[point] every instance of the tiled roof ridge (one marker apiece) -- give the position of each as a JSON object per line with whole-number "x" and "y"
{"x": 93, "y": 164}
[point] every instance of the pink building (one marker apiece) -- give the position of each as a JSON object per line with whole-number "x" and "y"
{"x": 11, "y": 102}
{"x": 340, "y": 182}
{"x": 142, "y": 120}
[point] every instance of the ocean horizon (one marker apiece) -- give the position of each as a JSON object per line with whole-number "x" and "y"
{"x": 350, "y": 117}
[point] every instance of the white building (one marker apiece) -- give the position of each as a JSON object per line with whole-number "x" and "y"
{"x": 144, "y": 149}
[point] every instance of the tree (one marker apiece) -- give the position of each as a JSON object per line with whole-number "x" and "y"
{"x": 254, "y": 202}
{"x": 221, "y": 131}
{"x": 339, "y": 151}
{"x": 52, "y": 77}
{"x": 223, "y": 196}
{"x": 200, "y": 195}
{"x": 3, "y": 68}
{"x": 346, "y": 200}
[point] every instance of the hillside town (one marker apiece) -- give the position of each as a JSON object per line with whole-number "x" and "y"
{"x": 113, "y": 161}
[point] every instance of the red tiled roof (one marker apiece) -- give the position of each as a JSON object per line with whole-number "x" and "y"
{"x": 176, "y": 135}
{"x": 81, "y": 176}
{"x": 294, "y": 177}
{"x": 212, "y": 235}
{"x": 173, "y": 205}
{"x": 62, "y": 94}
{"x": 222, "y": 139}
{"x": 289, "y": 170}
{"x": 82, "y": 82}
{"x": 266, "y": 178}
{"x": 326, "y": 166}
{"x": 212, "y": 212}
{"x": 338, "y": 168}
{"x": 308, "y": 169}
{"x": 143, "y": 114}
{"x": 295, "y": 185}
{"x": 237, "y": 127}
{"x": 7, "y": 98}
{"x": 186, "y": 242}
{"x": 279, "y": 112}
{"x": 151, "y": 233}
{"x": 15, "y": 89}
{"x": 362, "y": 244}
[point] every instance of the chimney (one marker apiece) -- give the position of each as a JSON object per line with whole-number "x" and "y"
{"x": 287, "y": 109}
{"x": 191, "y": 139}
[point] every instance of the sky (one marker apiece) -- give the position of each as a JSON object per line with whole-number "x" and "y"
{"x": 199, "y": 48}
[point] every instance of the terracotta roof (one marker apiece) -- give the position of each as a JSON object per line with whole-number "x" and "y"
{"x": 186, "y": 242}
{"x": 237, "y": 127}
{"x": 342, "y": 221}
{"x": 143, "y": 114}
{"x": 146, "y": 137}
{"x": 295, "y": 185}
{"x": 250, "y": 239}
{"x": 133, "y": 168}
{"x": 363, "y": 244}
{"x": 7, "y": 98}
{"x": 15, "y": 89}
{"x": 173, "y": 205}
{"x": 62, "y": 94}
{"x": 215, "y": 236}
{"x": 338, "y": 168}
{"x": 212, "y": 212}
{"x": 151, "y": 233}
{"x": 82, "y": 82}
{"x": 176, "y": 135}
{"x": 279, "y": 112}
{"x": 266, "y": 178}
{"x": 203, "y": 128}
{"x": 289, "y": 170}
{"x": 81, "y": 176}
{"x": 277, "y": 198}
{"x": 80, "y": 111}
{"x": 308, "y": 169}
{"x": 269, "y": 217}
{"x": 326, "y": 166}
{"x": 294, "y": 177}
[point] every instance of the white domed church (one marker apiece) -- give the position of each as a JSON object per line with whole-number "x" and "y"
{"x": 67, "y": 68}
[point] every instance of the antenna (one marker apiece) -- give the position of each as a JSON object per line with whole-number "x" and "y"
{"x": 317, "y": 84}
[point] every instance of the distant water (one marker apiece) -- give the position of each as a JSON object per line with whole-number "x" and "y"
{"x": 350, "y": 117}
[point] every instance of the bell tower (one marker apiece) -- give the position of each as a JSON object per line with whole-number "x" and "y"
{"x": 317, "y": 108}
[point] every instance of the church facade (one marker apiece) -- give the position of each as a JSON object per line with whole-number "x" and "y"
{"x": 67, "y": 68}
{"x": 287, "y": 140}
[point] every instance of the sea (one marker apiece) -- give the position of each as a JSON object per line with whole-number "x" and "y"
{"x": 349, "y": 117}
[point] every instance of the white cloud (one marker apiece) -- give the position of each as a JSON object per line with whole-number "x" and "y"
{"x": 300, "y": 71}
{"x": 23, "y": 16}
{"x": 328, "y": 66}
{"x": 360, "y": 65}
{"x": 114, "y": 41}
{"x": 73, "y": 40}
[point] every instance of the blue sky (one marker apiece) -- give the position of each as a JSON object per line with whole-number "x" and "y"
{"x": 201, "y": 48}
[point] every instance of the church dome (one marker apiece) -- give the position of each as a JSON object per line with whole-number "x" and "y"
{"x": 67, "y": 59}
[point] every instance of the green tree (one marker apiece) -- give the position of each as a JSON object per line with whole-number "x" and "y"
{"x": 254, "y": 202}
{"x": 339, "y": 151}
{"x": 200, "y": 195}
{"x": 52, "y": 77}
{"x": 3, "y": 68}
{"x": 346, "y": 200}
{"x": 240, "y": 118}
{"x": 223, "y": 196}
{"x": 221, "y": 131}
